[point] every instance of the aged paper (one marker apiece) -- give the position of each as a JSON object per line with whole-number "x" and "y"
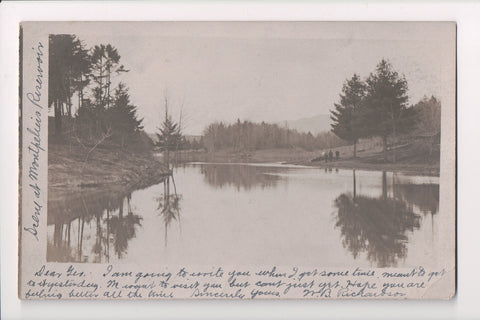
{"x": 237, "y": 160}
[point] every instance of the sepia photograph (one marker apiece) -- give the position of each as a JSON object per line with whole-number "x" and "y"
{"x": 277, "y": 144}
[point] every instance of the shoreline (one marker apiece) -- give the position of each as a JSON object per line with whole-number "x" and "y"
{"x": 106, "y": 168}
{"x": 109, "y": 168}
{"x": 405, "y": 168}
{"x": 371, "y": 162}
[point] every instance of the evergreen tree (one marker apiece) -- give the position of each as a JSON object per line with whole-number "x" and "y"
{"x": 105, "y": 61}
{"x": 427, "y": 113}
{"x": 384, "y": 108}
{"x": 346, "y": 121}
{"x": 169, "y": 136}
{"x": 68, "y": 62}
{"x": 123, "y": 115}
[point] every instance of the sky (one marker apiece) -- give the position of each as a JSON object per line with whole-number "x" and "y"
{"x": 262, "y": 71}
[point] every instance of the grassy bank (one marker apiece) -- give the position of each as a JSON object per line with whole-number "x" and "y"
{"x": 257, "y": 156}
{"x": 364, "y": 164}
{"x": 105, "y": 167}
{"x": 409, "y": 159}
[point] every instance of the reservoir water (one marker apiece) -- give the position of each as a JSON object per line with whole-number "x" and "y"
{"x": 253, "y": 214}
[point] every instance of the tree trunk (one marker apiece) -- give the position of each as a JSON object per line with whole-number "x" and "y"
{"x": 120, "y": 210}
{"x": 58, "y": 119}
{"x": 80, "y": 245}
{"x": 167, "y": 159}
{"x": 80, "y": 94}
{"x": 354, "y": 185}
{"x": 98, "y": 240}
{"x": 430, "y": 149}
{"x": 101, "y": 81}
{"x": 69, "y": 108}
{"x": 385, "y": 157}
{"x": 108, "y": 235}
{"x": 394, "y": 127}
{"x": 384, "y": 185}
{"x": 57, "y": 234}
{"x": 108, "y": 88}
{"x": 68, "y": 232}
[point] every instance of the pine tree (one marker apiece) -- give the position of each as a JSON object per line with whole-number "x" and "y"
{"x": 68, "y": 62}
{"x": 105, "y": 62}
{"x": 346, "y": 121}
{"x": 169, "y": 136}
{"x": 384, "y": 108}
{"x": 123, "y": 115}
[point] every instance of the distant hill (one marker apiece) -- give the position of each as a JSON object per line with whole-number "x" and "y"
{"x": 315, "y": 124}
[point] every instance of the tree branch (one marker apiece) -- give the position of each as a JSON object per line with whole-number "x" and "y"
{"x": 105, "y": 136}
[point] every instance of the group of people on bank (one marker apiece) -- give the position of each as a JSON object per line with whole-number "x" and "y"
{"x": 328, "y": 156}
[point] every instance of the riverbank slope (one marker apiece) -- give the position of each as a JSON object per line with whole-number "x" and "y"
{"x": 68, "y": 168}
{"x": 410, "y": 158}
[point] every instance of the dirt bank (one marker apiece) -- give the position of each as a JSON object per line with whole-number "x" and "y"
{"x": 407, "y": 168}
{"x": 408, "y": 160}
{"x": 369, "y": 157}
{"x": 105, "y": 167}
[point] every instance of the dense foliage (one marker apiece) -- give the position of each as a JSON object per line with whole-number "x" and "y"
{"x": 91, "y": 107}
{"x": 346, "y": 117}
{"x": 87, "y": 108}
{"x": 246, "y": 135}
{"x": 378, "y": 107}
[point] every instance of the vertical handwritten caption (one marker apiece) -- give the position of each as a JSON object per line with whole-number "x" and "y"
{"x": 34, "y": 141}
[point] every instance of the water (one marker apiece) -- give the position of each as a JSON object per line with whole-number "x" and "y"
{"x": 244, "y": 214}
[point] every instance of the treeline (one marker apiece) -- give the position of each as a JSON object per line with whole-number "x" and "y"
{"x": 378, "y": 107}
{"x": 245, "y": 135}
{"x": 87, "y": 107}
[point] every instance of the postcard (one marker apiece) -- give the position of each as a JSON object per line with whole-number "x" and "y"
{"x": 237, "y": 160}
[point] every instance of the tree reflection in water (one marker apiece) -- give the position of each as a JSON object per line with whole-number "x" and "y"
{"x": 104, "y": 212}
{"x": 424, "y": 196}
{"x": 122, "y": 227}
{"x": 93, "y": 230}
{"x": 169, "y": 204}
{"x": 376, "y": 226}
{"x": 97, "y": 226}
{"x": 243, "y": 177}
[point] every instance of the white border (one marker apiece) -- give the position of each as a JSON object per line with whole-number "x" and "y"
{"x": 465, "y": 305}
